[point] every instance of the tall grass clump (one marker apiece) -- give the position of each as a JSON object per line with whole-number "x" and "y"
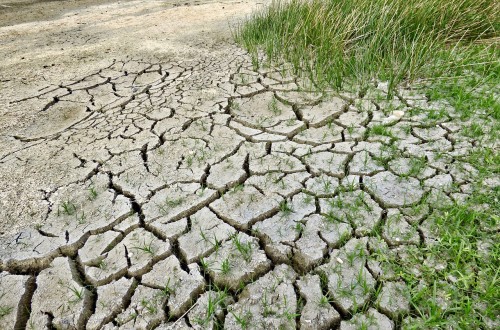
{"x": 335, "y": 41}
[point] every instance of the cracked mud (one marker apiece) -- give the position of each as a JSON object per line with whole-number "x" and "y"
{"x": 181, "y": 194}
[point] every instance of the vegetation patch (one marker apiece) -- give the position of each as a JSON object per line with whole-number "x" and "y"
{"x": 338, "y": 43}
{"x": 449, "y": 51}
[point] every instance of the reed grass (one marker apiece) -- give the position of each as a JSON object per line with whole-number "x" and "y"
{"x": 336, "y": 41}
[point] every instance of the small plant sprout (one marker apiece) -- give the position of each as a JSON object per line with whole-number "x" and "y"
{"x": 362, "y": 281}
{"x": 289, "y": 315}
{"x": 309, "y": 199}
{"x": 331, "y": 217}
{"x": 149, "y": 306}
{"x": 381, "y": 130}
{"x": 285, "y": 208}
{"x": 327, "y": 185}
{"x": 267, "y": 307}
{"x": 189, "y": 161}
{"x": 201, "y": 191}
{"x": 323, "y": 301}
{"x": 145, "y": 247}
{"x": 217, "y": 243}
{"x": 5, "y": 310}
{"x": 225, "y": 266}
{"x": 273, "y": 107}
{"x": 351, "y": 257}
{"x": 203, "y": 236}
{"x": 417, "y": 165}
{"x": 92, "y": 193}
{"x": 81, "y": 218}
{"x": 174, "y": 202}
{"x": 204, "y": 264}
{"x": 244, "y": 248}
{"x": 235, "y": 106}
{"x": 102, "y": 264}
{"x": 167, "y": 289}
{"x": 215, "y": 301}
{"x": 299, "y": 227}
{"x": 77, "y": 293}
{"x": 243, "y": 319}
{"x": 238, "y": 187}
{"x": 169, "y": 203}
{"x": 67, "y": 207}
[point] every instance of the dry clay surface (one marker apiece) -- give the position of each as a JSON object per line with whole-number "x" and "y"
{"x": 151, "y": 177}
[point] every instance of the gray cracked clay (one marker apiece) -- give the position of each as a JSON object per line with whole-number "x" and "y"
{"x": 147, "y": 188}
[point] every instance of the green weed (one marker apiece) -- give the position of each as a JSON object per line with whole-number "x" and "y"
{"x": 5, "y": 310}
{"x": 67, "y": 207}
{"x": 245, "y": 249}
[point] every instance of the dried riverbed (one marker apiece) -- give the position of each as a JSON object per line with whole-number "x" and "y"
{"x": 151, "y": 177}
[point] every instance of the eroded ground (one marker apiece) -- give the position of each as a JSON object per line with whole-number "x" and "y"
{"x": 188, "y": 189}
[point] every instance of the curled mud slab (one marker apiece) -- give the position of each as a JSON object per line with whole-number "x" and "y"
{"x": 186, "y": 188}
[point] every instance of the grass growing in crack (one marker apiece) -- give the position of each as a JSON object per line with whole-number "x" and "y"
{"x": 268, "y": 308}
{"x": 174, "y": 202}
{"x": 203, "y": 236}
{"x": 290, "y": 315}
{"x": 336, "y": 42}
{"x": 204, "y": 264}
{"x": 324, "y": 301}
{"x": 308, "y": 200}
{"x": 167, "y": 290}
{"x": 299, "y": 228}
{"x": 237, "y": 188}
{"x": 327, "y": 185}
{"x": 417, "y": 165}
{"x": 362, "y": 281}
{"x": 102, "y": 264}
{"x": 332, "y": 217}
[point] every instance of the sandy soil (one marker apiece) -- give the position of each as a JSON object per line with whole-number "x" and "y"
{"x": 14, "y": 12}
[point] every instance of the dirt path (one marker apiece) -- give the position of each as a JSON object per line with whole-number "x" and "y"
{"x": 151, "y": 177}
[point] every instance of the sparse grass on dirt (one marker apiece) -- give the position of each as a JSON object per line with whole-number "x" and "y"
{"x": 450, "y": 50}
{"x": 457, "y": 287}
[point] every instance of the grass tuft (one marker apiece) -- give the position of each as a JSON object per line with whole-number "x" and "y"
{"x": 336, "y": 41}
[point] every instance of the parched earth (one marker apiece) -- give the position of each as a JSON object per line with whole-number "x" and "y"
{"x": 181, "y": 187}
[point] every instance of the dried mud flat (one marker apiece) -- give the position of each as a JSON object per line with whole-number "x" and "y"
{"x": 152, "y": 178}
